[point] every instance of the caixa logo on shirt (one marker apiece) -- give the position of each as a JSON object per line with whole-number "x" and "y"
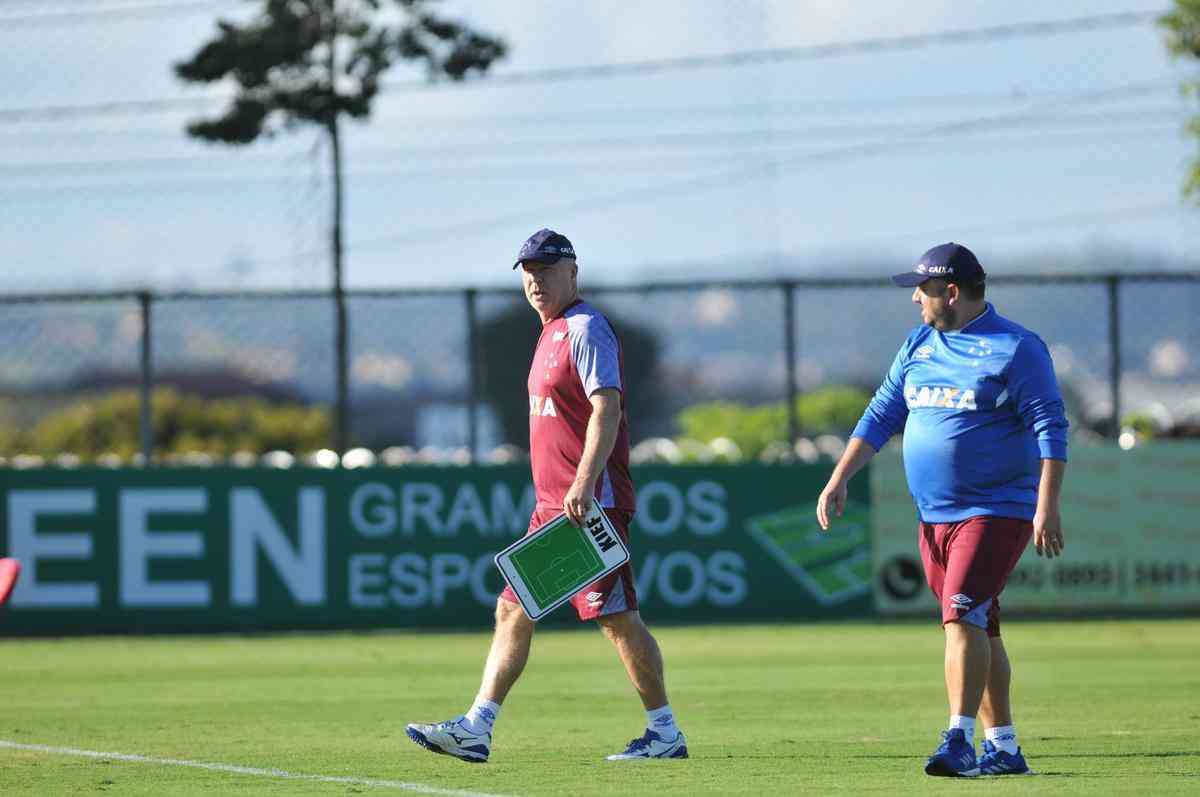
{"x": 951, "y": 398}
{"x": 542, "y": 406}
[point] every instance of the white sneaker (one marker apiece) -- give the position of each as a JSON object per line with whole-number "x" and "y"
{"x": 452, "y": 737}
{"x": 652, "y": 745}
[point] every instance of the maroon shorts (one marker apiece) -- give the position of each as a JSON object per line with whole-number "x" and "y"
{"x": 967, "y": 564}
{"x": 613, "y": 594}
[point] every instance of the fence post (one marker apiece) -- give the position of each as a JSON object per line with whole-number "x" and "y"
{"x": 470, "y": 296}
{"x": 790, "y": 346}
{"x": 341, "y": 434}
{"x": 1114, "y": 351}
{"x": 146, "y": 419}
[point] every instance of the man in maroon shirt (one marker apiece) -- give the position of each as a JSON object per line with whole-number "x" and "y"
{"x": 579, "y": 451}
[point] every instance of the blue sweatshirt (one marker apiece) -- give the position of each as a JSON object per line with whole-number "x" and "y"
{"x": 982, "y": 408}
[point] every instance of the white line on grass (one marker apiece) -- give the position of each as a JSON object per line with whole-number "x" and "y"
{"x": 237, "y": 770}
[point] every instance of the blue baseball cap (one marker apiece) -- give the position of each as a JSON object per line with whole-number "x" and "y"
{"x": 545, "y": 246}
{"x": 951, "y": 262}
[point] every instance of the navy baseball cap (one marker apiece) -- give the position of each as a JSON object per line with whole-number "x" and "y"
{"x": 952, "y": 262}
{"x": 545, "y": 246}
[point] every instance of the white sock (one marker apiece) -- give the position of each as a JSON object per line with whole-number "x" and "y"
{"x": 1004, "y": 737}
{"x": 662, "y": 721}
{"x": 482, "y": 715}
{"x": 966, "y": 723}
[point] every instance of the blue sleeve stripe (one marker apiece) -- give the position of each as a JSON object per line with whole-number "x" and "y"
{"x": 875, "y": 437}
{"x": 1052, "y": 449}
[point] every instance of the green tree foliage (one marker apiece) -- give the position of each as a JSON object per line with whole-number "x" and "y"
{"x": 286, "y": 73}
{"x": 1144, "y": 424}
{"x": 830, "y": 409}
{"x": 313, "y": 62}
{"x": 506, "y": 344}
{"x": 182, "y": 424}
{"x": 10, "y": 440}
{"x": 1183, "y": 39}
{"x": 9, "y": 434}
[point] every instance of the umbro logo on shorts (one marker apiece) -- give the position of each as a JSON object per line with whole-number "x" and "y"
{"x": 960, "y": 601}
{"x": 595, "y": 597}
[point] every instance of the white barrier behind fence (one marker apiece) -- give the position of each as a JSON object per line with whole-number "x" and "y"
{"x": 1131, "y": 520}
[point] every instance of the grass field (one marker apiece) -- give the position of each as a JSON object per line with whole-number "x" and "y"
{"x": 1103, "y": 708}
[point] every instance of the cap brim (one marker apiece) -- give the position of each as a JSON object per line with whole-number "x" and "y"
{"x": 910, "y": 279}
{"x": 546, "y": 258}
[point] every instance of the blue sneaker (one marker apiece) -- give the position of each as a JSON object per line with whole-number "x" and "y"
{"x": 954, "y": 758}
{"x": 995, "y": 761}
{"x": 651, "y": 745}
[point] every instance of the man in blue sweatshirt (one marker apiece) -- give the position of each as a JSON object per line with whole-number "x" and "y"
{"x": 985, "y": 448}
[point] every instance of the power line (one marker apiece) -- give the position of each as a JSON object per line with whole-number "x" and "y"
{"x": 615, "y": 115}
{"x": 1116, "y": 214}
{"x": 76, "y": 3}
{"x": 107, "y": 108}
{"x": 14, "y": 22}
{"x": 658, "y": 165}
{"x": 823, "y": 106}
{"x": 916, "y": 41}
{"x": 766, "y": 169}
{"x": 727, "y": 140}
{"x": 631, "y": 68}
{"x": 44, "y": 6}
{"x": 706, "y": 112}
{"x": 744, "y": 172}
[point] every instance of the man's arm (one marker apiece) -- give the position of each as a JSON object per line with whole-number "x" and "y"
{"x": 885, "y": 414}
{"x": 1034, "y": 388}
{"x": 833, "y": 498}
{"x": 1047, "y": 522}
{"x": 602, "y": 429}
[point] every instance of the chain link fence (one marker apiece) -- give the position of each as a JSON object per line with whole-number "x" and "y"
{"x": 438, "y": 375}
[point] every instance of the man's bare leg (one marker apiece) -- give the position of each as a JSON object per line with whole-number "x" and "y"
{"x": 968, "y": 662}
{"x": 968, "y": 659}
{"x": 996, "y": 709}
{"x": 509, "y": 653}
{"x": 469, "y": 737}
{"x": 643, "y": 662}
{"x": 640, "y": 654}
{"x": 995, "y": 712}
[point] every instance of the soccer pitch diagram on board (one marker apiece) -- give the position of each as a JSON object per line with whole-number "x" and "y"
{"x": 548, "y": 566}
{"x": 833, "y": 566}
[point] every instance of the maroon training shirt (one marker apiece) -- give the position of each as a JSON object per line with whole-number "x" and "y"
{"x": 577, "y": 354}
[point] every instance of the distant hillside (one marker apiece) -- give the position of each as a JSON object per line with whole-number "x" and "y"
{"x": 715, "y": 343}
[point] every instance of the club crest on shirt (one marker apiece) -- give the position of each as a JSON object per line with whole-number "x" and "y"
{"x": 951, "y": 398}
{"x": 981, "y": 349}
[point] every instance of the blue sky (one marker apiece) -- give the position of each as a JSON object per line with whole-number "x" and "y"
{"x": 1074, "y": 147}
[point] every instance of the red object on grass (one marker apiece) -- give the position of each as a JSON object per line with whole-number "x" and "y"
{"x": 9, "y": 570}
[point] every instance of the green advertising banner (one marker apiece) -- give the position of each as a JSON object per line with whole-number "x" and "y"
{"x": 1131, "y": 521}
{"x": 230, "y": 549}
